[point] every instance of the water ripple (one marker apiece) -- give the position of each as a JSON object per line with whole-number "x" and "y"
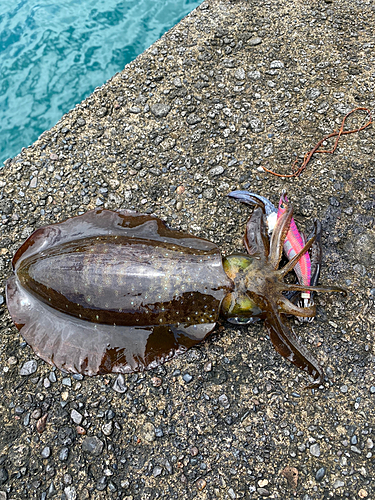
{"x": 54, "y": 54}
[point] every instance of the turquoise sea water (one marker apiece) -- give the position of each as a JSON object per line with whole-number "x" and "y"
{"x": 53, "y": 54}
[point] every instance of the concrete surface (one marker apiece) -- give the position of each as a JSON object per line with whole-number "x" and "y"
{"x": 233, "y": 86}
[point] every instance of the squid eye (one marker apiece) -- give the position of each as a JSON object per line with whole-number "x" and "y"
{"x": 242, "y": 321}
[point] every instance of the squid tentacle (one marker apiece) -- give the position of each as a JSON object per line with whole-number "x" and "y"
{"x": 255, "y": 239}
{"x": 278, "y": 237}
{"x": 287, "y": 307}
{"x": 287, "y": 344}
{"x": 294, "y": 242}
{"x": 324, "y": 289}
{"x": 294, "y": 261}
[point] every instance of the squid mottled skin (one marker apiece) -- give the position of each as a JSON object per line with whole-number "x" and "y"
{"x": 121, "y": 292}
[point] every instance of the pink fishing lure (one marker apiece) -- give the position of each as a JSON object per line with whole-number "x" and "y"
{"x": 294, "y": 242}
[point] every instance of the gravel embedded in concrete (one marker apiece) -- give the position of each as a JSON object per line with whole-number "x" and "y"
{"x": 234, "y": 86}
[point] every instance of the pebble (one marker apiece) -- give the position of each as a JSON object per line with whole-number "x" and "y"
{"x": 338, "y": 484}
{"x": 276, "y": 64}
{"x": 101, "y": 485}
{"x": 209, "y": 194}
{"x": 112, "y": 487}
{"x": 256, "y": 125}
{"x": 33, "y": 182}
{"x": 119, "y": 384}
{"x": 29, "y": 367}
{"x": 3, "y": 475}
{"x": 207, "y": 366}
{"x": 76, "y": 417}
{"x": 240, "y": 74}
{"x": 134, "y": 109}
{"x": 160, "y": 110}
{"x": 3, "y": 495}
{"x": 70, "y": 493}
{"x": 312, "y": 93}
{"x": 157, "y": 471}
{"x": 315, "y": 450}
{"x": 51, "y": 490}
{"x": 36, "y": 413}
{"x": 224, "y": 401}
{"x": 187, "y": 378}
{"x": 254, "y": 75}
{"x": 194, "y": 451}
{"x": 41, "y": 423}
{"x": 263, "y": 492}
{"x": 166, "y": 145}
{"x": 201, "y": 484}
{"x": 107, "y": 429}
{"x": 46, "y": 452}
{"x": 92, "y": 445}
{"x": 216, "y": 170}
{"x": 168, "y": 466}
{"x": 291, "y": 474}
{"x": 64, "y": 397}
{"x": 148, "y": 432}
{"x": 156, "y": 381}
{"x": 193, "y": 119}
{"x": 64, "y": 453}
{"x": 362, "y": 493}
{"x": 177, "y": 82}
{"x": 320, "y": 474}
{"x": 232, "y": 493}
{"x": 255, "y": 41}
